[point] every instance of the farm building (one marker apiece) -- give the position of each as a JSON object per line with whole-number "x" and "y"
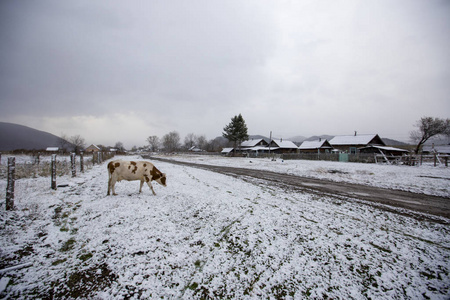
{"x": 92, "y": 148}
{"x": 351, "y": 143}
{"x": 319, "y": 146}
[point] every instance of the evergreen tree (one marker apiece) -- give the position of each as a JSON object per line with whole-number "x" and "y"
{"x": 236, "y": 131}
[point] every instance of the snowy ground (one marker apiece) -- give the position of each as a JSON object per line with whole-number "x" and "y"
{"x": 211, "y": 235}
{"x": 425, "y": 179}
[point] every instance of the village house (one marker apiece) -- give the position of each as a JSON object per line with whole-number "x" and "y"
{"x": 351, "y": 143}
{"x": 280, "y": 146}
{"x": 255, "y": 146}
{"x": 319, "y": 146}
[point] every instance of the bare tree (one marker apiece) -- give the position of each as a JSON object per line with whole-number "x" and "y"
{"x": 64, "y": 143}
{"x": 78, "y": 143}
{"x": 202, "y": 142}
{"x": 153, "y": 141}
{"x": 190, "y": 140}
{"x": 171, "y": 141}
{"x": 427, "y": 128}
{"x": 119, "y": 146}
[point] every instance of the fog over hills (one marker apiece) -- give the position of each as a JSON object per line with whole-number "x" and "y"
{"x": 14, "y": 137}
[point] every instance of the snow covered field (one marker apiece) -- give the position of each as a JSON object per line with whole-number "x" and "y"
{"x": 425, "y": 179}
{"x": 211, "y": 235}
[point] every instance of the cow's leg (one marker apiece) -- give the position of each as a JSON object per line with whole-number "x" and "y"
{"x": 140, "y": 188}
{"x": 151, "y": 187}
{"x": 109, "y": 186}
{"x": 113, "y": 183}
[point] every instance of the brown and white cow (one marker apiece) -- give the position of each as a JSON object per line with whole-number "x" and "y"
{"x": 134, "y": 170}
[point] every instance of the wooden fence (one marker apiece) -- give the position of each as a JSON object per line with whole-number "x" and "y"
{"x": 44, "y": 167}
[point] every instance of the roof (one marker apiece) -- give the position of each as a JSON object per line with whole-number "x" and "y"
{"x": 385, "y": 148}
{"x": 439, "y": 149}
{"x": 93, "y": 146}
{"x": 360, "y": 139}
{"x": 52, "y": 149}
{"x": 284, "y": 144}
{"x": 251, "y": 143}
{"x": 227, "y": 150}
{"x": 258, "y": 148}
{"x": 315, "y": 144}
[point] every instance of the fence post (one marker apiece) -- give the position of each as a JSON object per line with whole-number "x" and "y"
{"x": 81, "y": 163}
{"x": 53, "y": 171}
{"x": 72, "y": 163}
{"x": 10, "y": 184}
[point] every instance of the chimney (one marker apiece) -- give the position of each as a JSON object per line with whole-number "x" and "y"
{"x": 355, "y": 132}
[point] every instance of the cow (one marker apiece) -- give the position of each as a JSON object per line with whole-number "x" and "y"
{"x": 133, "y": 170}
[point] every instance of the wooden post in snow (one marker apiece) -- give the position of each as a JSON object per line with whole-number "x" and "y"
{"x": 81, "y": 163}
{"x": 53, "y": 186}
{"x": 10, "y": 184}
{"x": 72, "y": 164}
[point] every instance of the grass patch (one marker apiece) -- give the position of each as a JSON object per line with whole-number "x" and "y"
{"x": 68, "y": 245}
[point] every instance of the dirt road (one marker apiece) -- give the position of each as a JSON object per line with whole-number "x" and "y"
{"x": 419, "y": 206}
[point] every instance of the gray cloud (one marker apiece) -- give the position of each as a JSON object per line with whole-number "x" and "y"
{"x": 304, "y": 67}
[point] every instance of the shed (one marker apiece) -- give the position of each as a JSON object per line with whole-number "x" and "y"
{"x": 319, "y": 146}
{"x": 351, "y": 143}
{"x": 388, "y": 151}
{"x": 226, "y": 151}
{"x": 440, "y": 149}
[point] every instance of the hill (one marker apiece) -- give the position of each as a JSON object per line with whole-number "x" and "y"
{"x": 14, "y": 137}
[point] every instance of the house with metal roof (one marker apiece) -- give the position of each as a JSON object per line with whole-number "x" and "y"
{"x": 318, "y": 146}
{"x": 351, "y": 143}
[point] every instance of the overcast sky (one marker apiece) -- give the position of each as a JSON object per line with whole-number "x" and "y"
{"x": 125, "y": 70}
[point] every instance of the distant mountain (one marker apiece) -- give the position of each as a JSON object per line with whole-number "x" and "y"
{"x": 317, "y": 137}
{"x": 297, "y": 139}
{"x": 257, "y": 137}
{"x": 391, "y": 142}
{"x": 14, "y": 137}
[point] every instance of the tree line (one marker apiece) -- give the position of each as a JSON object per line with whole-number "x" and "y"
{"x": 236, "y": 132}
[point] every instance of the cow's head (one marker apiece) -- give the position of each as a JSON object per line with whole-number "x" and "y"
{"x": 162, "y": 179}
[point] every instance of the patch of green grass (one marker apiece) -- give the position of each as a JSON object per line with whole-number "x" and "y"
{"x": 85, "y": 257}
{"x": 68, "y": 245}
